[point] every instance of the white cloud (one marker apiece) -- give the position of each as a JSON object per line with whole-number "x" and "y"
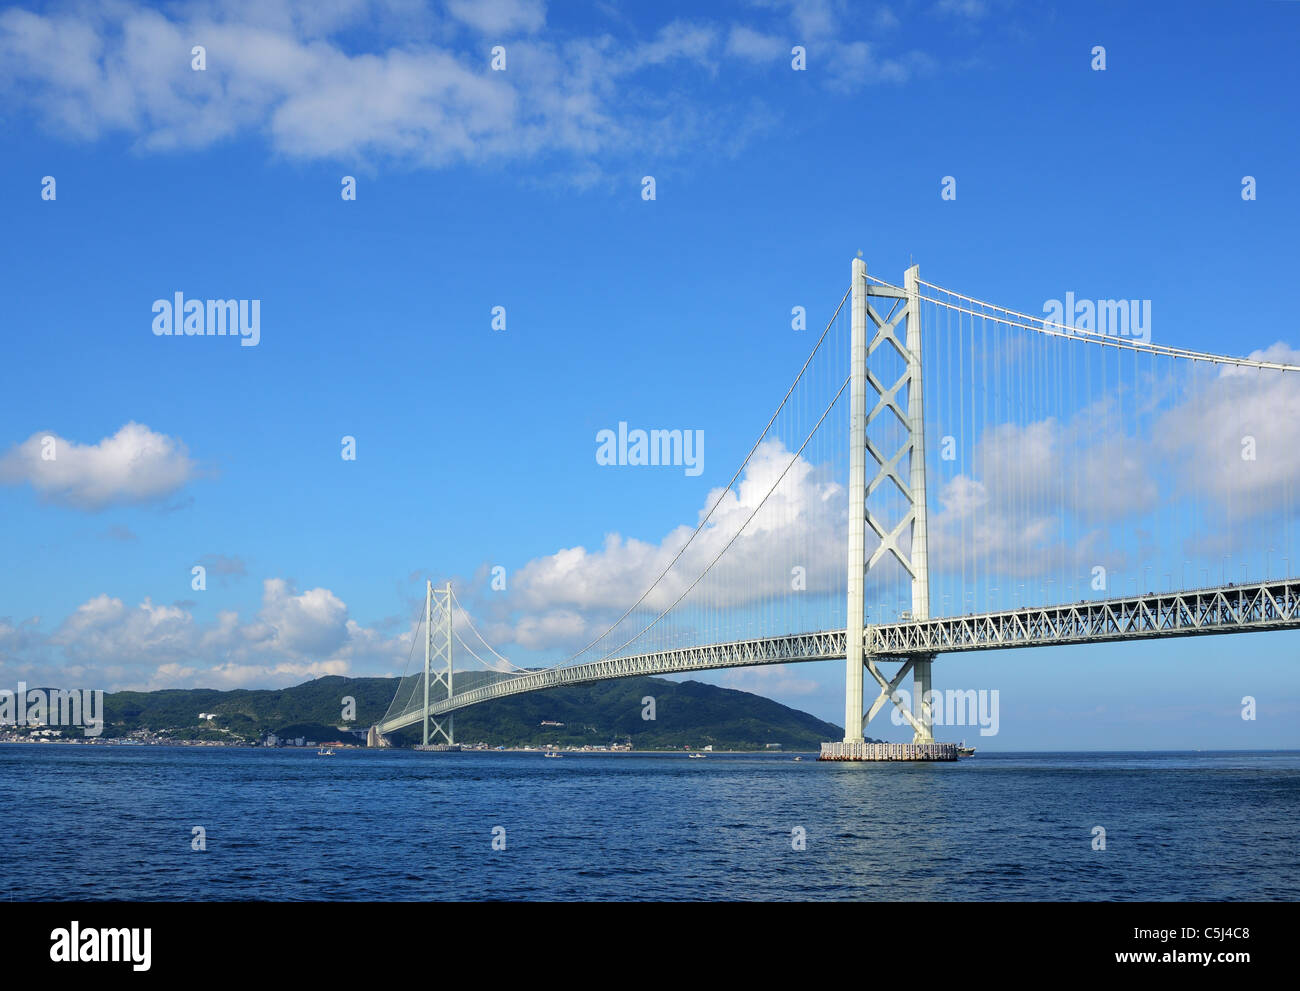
{"x": 678, "y": 40}
{"x": 104, "y": 630}
{"x": 857, "y": 64}
{"x": 744, "y": 42}
{"x": 812, "y": 19}
{"x": 314, "y": 19}
{"x": 885, "y": 18}
{"x": 419, "y": 103}
{"x": 570, "y": 597}
{"x": 135, "y": 465}
{"x": 313, "y": 622}
{"x": 228, "y": 676}
{"x": 1238, "y": 411}
{"x": 415, "y": 90}
{"x": 977, "y": 533}
{"x": 499, "y": 16}
{"x": 107, "y": 644}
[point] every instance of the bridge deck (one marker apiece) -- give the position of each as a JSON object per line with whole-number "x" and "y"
{"x": 1273, "y": 605}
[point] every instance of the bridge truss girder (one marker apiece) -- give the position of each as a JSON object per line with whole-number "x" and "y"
{"x": 1273, "y": 605}
{"x": 1261, "y": 606}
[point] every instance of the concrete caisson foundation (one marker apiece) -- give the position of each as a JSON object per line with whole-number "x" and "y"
{"x": 860, "y": 750}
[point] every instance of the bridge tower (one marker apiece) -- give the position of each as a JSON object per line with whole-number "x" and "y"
{"x": 437, "y": 647}
{"x": 912, "y": 553}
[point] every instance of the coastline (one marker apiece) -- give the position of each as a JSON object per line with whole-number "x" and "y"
{"x": 211, "y": 745}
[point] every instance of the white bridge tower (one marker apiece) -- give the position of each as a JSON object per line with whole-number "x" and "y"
{"x": 437, "y": 647}
{"x": 906, "y": 538}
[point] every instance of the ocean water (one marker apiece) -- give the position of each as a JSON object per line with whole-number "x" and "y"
{"x": 111, "y": 822}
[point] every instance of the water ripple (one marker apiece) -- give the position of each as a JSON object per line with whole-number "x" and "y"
{"x": 116, "y": 823}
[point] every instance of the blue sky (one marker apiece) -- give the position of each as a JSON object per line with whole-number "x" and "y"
{"x": 522, "y": 189}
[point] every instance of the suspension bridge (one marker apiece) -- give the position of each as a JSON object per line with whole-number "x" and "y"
{"x": 1059, "y": 481}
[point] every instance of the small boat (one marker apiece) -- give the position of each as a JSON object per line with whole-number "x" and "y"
{"x": 696, "y": 756}
{"x": 325, "y": 752}
{"x": 552, "y": 754}
{"x": 965, "y": 751}
{"x": 798, "y": 758}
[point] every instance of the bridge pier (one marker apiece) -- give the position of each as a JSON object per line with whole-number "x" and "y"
{"x": 922, "y": 719}
{"x": 924, "y": 733}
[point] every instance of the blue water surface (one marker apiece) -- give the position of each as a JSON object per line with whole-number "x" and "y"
{"x": 114, "y": 822}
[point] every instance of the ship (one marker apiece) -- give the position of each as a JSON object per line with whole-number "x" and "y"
{"x": 965, "y": 751}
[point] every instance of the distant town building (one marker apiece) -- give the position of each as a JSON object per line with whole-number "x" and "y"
{"x": 551, "y": 722}
{"x": 771, "y": 746}
{"x": 272, "y": 740}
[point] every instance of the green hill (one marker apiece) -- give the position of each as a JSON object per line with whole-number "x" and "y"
{"x": 249, "y": 714}
{"x": 686, "y": 714}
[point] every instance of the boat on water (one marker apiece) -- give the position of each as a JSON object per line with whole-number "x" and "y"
{"x": 552, "y": 753}
{"x": 696, "y": 756}
{"x": 965, "y": 751}
{"x": 325, "y": 752}
{"x": 798, "y": 758}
